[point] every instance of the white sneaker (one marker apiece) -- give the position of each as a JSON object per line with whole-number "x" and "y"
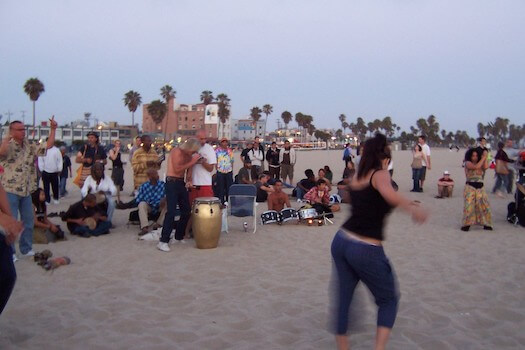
{"x": 176, "y": 241}
{"x": 15, "y": 259}
{"x": 29, "y": 253}
{"x": 164, "y": 247}
{"x": 55, "y": 201}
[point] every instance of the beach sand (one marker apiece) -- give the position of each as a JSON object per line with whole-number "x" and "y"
{"x": 270, "y": 290}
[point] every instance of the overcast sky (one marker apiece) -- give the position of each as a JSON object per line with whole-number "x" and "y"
{"x": 461, "y": 60}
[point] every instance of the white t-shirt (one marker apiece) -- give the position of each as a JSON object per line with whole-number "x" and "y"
{"x": 426, "y": 151}
{"x": 200, "y": 176}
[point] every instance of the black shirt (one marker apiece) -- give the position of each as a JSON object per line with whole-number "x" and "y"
{"x": 77, "y": 211}
{"x": 117, "y": 163}
{"x": 66, "y": 164}
{"x": 94, "y": 153}
{"x": 262, "y": 195}
{"x": 308, "y": 184}
{"x": 273, "y": 156}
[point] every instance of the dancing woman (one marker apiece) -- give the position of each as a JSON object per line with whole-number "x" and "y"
{"x": 357, "y": 250}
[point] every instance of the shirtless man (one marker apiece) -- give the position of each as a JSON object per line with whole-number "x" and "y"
{"x": 278, "y": 199}
{"x": 180, "y": 161}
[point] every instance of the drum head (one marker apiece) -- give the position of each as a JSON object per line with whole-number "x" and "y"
{"x": 209, "y": 200}
{"x": 91, "y": 223}
{"x": 101, "y": 198}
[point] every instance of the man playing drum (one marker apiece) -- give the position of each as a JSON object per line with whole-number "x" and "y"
{"x": 278, "y": 199}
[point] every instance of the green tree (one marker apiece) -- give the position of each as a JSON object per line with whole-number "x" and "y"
{"x": 132, "y": 100}
{"x": 157, "y": 110}
{"x": 339, "y": 134}
{"x": 387, "y": 126}
{"x": 34, "y": 88}
{"x": 267, "y": 110}
{"x": 286, "y": 117}
{"x": 361, "y": 128}
{"x": 167, "y": 93}
{"x": 207, "y": 97}
{"x": 224, "y": 109}
{"x": 342, "y": 119}
{"x": 345, "y": 126}
{"x": 255, "y": 114}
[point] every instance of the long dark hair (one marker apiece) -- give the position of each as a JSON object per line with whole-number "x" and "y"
{"x": 470, "y": 151}
{"x": 35, "y": 198}
{"x": 375, "y": 151}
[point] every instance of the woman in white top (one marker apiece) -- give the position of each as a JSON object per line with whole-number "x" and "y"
{"x": 98, "y": 183}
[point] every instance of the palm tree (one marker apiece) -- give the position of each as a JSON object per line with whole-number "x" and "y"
{"x": 255, "y": 114}
{"x": 132, "y": 100}
{"x": 342, "y": 119}
{"x": 224, "y": 109}
{"x": 345, "y": 126}
{"x": 34, "y": 88}
{"x": 207, "y": 97}
{"x": 167, "y": 93}
{"x": 286, "y": 117}
{"x": 267, "y": 110}
{"x": 157, "y": 110}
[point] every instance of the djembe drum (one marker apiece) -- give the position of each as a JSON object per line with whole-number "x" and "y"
{"x": 206, "y": 219}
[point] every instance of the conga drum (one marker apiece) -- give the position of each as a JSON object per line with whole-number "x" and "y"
{"x": 206, "y": 219}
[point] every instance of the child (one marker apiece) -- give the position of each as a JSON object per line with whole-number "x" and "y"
{"x": 44, "y": 230}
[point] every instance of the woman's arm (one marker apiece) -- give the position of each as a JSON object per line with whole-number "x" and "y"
{"x": 382, "y": 182}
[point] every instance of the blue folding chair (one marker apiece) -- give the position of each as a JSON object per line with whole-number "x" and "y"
{"x": 241, "y": 202}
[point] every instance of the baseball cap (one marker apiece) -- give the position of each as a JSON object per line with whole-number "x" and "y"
{"x": 446, "y": 172}
{"x": 224, "y": 139}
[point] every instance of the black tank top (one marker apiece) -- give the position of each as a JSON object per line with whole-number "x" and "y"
{"x": 117, "y": 163}
{"x": 368, "y": 212}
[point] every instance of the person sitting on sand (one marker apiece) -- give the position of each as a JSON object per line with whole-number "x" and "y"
{"x": 263, "y": 188}
{"x": 76, "y": 216}
{"x": 445, "y": 185}
{"x": 278, "y": 199}
{"x": 245, "y": 173}
{"x": 97, "y": 182}
{"x": 44, "y": 231}
{"x": 305, "y": 185}
{"x": 321, "y": 175}
{"x": 328, "y": 173}
{"x": 319, "y": 198}
{"x": 151, "y": 199}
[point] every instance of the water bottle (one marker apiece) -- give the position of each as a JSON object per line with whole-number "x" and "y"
{"x": 245, "y": 224}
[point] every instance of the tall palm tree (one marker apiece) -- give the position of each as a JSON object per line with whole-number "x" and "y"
{"x": 224, "y": 109}
{"x": 167, "y": 93}
{"x": 157, "y": 110}
{"x": 207, "y": 97}
{"x": 267, "y": 110}
{"x": 286, "y": 117}
{"x": 132, "y": 100}
{"x": 255, "y": 114}
{"x": 34, "y": 88}
{"x": 342, "y": 119}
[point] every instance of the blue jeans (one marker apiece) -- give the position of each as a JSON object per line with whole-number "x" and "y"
{"x": 111, "y": 207}
{"x": 24, "y": 207}
{"x": 101, "y": 229}
{"x": 299, "y": 192}
{"x": 63, "y": 191}
{"x": 358, "y": 261}
{"x": 501, "y": 183}
{"x": 176, "y": 193}
{"x": 416, "y": 176}
{"x": 224, "y": 181}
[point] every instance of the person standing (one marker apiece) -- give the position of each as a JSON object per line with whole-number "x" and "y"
{"x": 272, "y": 157}
{"x": 224, "y": 169}
{"x": 143, "y": 159}
{"x": 17, "y": 157}
{"x": 136, "y": 145}
{"x": 357, "y": 250}
{"x": 512, "y": 154}
{"x": 10, "y": 228}
{"x": 417, "y": 165}
{"x": 347, "y": 154}
{"x": 180, "y": 160}
{"x": 117, "y": 171}
{"x": 244, "y": 152}
{"x": 50, "y": 167}
{"x": 66, "y": 171}
{"x": 287, "y": 161}
{"x": 426, "y": 165}
{"x": 502, "y": 171}
{"x": 256, "y": 155}
{"x": 90, "y": 154}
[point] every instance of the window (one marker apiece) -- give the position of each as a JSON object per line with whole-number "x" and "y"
{"x": 185, "y": 118}
{"x": 105, "y": 133}
{"x": 44, "y": 133}
{"x": 77, "y": 133}
{"x": 66, "y": 133}
{"x": 114, "y": 134}
{"x": 193, "y": 126}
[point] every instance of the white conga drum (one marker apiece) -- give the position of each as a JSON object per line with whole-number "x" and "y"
{"x": 206, "y": 216}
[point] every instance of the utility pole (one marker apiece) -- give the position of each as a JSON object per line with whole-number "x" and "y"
{"x": 23, "y": 117}
{"x": 9, "y": 114}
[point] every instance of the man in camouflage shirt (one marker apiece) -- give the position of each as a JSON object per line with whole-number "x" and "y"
{"x": 17, "y": 157}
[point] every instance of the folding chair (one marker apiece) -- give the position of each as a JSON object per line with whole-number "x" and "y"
{"x": 241, "y": 202}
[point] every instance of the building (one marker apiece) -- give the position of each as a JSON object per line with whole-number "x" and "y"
{"x": 245, "y": 129}
{"x": 184, "y": 120}
{"x": 71, "y": 134}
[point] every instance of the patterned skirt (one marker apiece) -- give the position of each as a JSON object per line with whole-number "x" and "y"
{"x": 477, "y": 208}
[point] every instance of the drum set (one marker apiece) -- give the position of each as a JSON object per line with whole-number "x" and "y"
{"x": 310, "y": 216}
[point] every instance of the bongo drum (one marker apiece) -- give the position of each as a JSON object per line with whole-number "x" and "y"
{"x": 206, "y": 216}
{"x": 270, "y": 217}
{"x": 91, "y": 223}
{"x": 307, "y": 213}
{"x": 101, "y": 198}
{"x": 288, "y": 214}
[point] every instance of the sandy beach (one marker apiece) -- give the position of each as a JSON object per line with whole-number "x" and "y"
{"x": 270, "y": 290}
